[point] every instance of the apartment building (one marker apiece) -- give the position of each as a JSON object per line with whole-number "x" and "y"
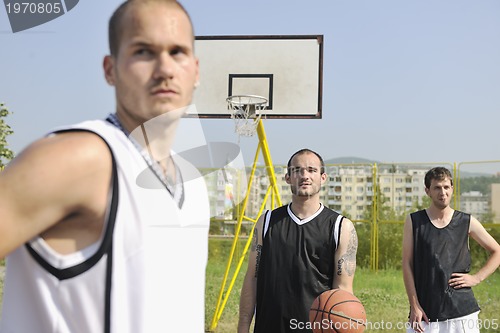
{"x": 475, "y": 203}
{"x": 349, "y": 189}
{"x": 495, "y": 202}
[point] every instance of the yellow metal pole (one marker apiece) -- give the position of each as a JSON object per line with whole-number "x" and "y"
{"x": 456, "y": 195}
{"x": 219, "y": 308}
{"x": 374, "y": 225}
{"x": 263, "y": 146}
{"x": 241, "y": 260}
{"x": 267, "y": 159}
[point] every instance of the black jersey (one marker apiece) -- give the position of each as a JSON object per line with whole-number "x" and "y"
{"x": 296, "y": 265}
{"x": 437, "y": 253}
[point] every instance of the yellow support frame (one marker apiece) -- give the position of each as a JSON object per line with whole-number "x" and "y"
{"x": 272, "y": 191}
{"x": 374, "y": 223}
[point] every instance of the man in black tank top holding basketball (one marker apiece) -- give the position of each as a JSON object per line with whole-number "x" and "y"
{"x": 437, "y": 262}
{"x": 299, "y": 251}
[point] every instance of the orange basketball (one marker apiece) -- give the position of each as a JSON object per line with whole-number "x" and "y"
{"x": 337, "y": 311}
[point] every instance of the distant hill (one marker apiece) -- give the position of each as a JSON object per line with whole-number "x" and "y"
{"x": 466, "y": 174}
{"x": 349, "y": 160}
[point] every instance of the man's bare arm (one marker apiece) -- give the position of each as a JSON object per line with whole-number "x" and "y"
{"x": 487, "y": 242}
{"x": 417, "y": 314}
{"x": 345, "y": 257}
{"x": 249, "y": 289}
{"x": 59, "y": 178}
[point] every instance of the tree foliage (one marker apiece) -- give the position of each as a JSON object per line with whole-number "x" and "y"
{"x": 5, "y": 153}
{"x": 480, "y": 183}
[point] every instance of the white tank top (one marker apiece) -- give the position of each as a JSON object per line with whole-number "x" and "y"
{"x": 146, "y": 274}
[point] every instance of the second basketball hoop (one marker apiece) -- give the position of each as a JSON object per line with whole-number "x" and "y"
{"x": 246, "y": 110}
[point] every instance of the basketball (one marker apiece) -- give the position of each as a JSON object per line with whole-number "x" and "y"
{"x": 337, "y": 311}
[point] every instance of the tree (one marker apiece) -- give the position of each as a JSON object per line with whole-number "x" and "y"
{"x": 5, "y": 153}
{"x": 419, "y": 205}
{"x": 479, "y": 183}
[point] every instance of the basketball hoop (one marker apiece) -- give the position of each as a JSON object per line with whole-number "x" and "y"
{"x": 246, "y": 112}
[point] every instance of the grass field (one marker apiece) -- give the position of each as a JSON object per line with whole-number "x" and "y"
{"x": 381, "y": 292}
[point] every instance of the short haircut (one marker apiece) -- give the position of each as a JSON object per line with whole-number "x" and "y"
{"x": 115, "y": 25}
{"x": 437, "y": 173}
{"x": 305, "y": 151}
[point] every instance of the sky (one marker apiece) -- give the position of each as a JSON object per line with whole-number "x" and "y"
{"x": 403, "y": 81}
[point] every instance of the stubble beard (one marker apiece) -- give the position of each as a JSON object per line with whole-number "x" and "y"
{"x": 442, "y": 204}
{"x": 305, "y": 193}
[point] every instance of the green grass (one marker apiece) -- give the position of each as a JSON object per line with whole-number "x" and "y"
{"x": 382, "y": 294}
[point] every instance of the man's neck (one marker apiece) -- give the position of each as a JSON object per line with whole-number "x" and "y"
{"x": 156, "y": 137}
{"x": 440, "y": 214}
{"x": 304, "y": 207}
{"x": 160, "y": 127}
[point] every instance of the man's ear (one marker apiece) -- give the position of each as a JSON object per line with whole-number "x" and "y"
{"x": 324, "y": 177}
{"x": 287, "y": 178}
{"x": 108, "y": 65}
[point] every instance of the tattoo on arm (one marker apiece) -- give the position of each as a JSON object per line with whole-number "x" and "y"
{"x": 256, "y": 247}
{"x": 348, "y": 260}
{"x": 257, "y": 261}
{"x": 255, "y": 239}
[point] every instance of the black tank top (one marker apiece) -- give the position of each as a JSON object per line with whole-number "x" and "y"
{"x": 436, "y": 254}
{"x": 296, "y": 265}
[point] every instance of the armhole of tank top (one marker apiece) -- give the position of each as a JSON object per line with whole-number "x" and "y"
{"x": 267, "y": 218}
{"x": 106, "y": 240}
{"x": 337, "y": 229}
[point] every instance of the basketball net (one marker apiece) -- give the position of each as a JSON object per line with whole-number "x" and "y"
{"x": 246, "y": 111}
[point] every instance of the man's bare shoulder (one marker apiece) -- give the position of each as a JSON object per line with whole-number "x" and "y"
{"x": 58, "y": 163}
{"x": 71, "y": 151}
{"x": 54, "y": 178}
{"x": 347, "y": 224}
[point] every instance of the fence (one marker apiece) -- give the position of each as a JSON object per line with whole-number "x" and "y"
{"x": 378, "y": 197}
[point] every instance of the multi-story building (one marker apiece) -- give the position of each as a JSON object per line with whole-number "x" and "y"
{"x": 216, "y": 181}
{"x": 495, "y": 202}
{"x": 349, "y": 189}
{"x": 474, "y": 203}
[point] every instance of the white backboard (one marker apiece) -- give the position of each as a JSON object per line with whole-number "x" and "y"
{"x": 287, "y": 70}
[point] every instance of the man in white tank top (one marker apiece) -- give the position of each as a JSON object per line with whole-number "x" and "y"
{"x": 104, "y": 230}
